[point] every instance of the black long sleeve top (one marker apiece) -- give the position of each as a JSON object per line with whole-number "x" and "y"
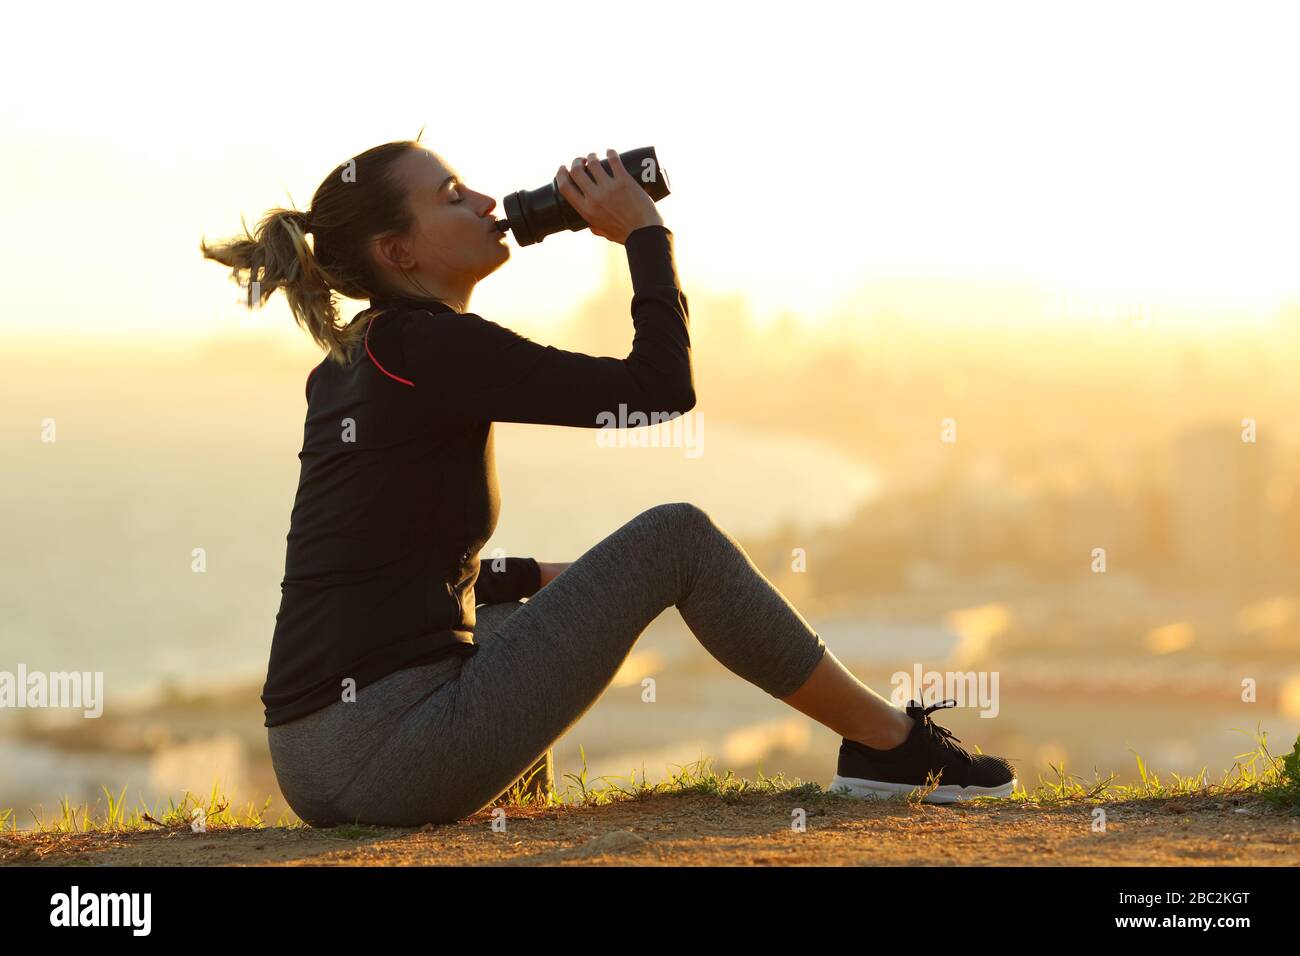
{"x": 397, "y": 491}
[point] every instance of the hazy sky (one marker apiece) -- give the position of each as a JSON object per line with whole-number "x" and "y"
{"x": 1109, "y": 149}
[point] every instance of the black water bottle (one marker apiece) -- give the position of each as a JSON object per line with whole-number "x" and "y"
{"x": 534, "y": 214}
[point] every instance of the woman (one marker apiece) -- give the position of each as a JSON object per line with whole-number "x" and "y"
{"x": 391, "y": 698}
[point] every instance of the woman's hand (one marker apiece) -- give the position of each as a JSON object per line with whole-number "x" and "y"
{"x": 613, "y": 205}
{"x": 550, "y": 571}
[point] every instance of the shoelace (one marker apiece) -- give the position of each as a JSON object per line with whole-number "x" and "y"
{"x": 941, "y": 735}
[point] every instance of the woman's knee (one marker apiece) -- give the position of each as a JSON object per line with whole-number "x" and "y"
{"x": 679, "y": 516}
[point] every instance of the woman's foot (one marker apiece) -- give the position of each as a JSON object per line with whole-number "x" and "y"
{"x": 929, "y": 753}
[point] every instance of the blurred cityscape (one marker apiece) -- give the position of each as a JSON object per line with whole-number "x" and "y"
{"x": 1102, "y": 509}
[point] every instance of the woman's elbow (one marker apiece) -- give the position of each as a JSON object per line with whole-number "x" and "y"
{"x": 679, "y": 401}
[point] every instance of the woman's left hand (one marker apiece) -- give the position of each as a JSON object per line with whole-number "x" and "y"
{"x": 550, "y": 571}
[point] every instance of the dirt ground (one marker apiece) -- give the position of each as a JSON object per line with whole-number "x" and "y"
{"x": 697, "y": 829}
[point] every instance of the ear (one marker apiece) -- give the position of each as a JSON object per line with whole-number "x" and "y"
{"x": 391, "y": 251}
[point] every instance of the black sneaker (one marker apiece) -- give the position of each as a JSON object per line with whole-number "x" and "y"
{"x": 868, "y": 773}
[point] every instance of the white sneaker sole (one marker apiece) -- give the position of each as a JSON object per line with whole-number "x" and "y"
{"x": 951, "y": 793}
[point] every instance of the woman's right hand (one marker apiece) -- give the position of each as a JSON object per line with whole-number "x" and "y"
{"x": 613, "y": 205}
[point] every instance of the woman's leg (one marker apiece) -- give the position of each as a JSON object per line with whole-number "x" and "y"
{"x": 546, "y": 662}
{"x": 832, "y": 696}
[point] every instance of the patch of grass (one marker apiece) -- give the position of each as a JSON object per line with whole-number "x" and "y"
{"x": 1255, "y": 774}
{"x": 214, "y": 812}
{"x": 1284, "y": 790}
{"x": 693, "y": 778}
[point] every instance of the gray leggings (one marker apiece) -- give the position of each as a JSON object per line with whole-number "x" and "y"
{"x": 437, "y": 742}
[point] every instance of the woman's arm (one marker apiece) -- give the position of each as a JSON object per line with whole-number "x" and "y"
{"x": 514, "y": 580}
{"x": 461, "y": 364}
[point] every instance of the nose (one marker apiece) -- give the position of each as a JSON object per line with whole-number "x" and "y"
{"x": 491, "y": 204}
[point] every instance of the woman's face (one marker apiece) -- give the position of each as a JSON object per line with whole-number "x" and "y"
{"x": 452, "y": 240}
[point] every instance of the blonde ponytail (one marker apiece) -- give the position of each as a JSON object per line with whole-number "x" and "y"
{"x": 361, "y": 199}
{"x": 278, "y": 256}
